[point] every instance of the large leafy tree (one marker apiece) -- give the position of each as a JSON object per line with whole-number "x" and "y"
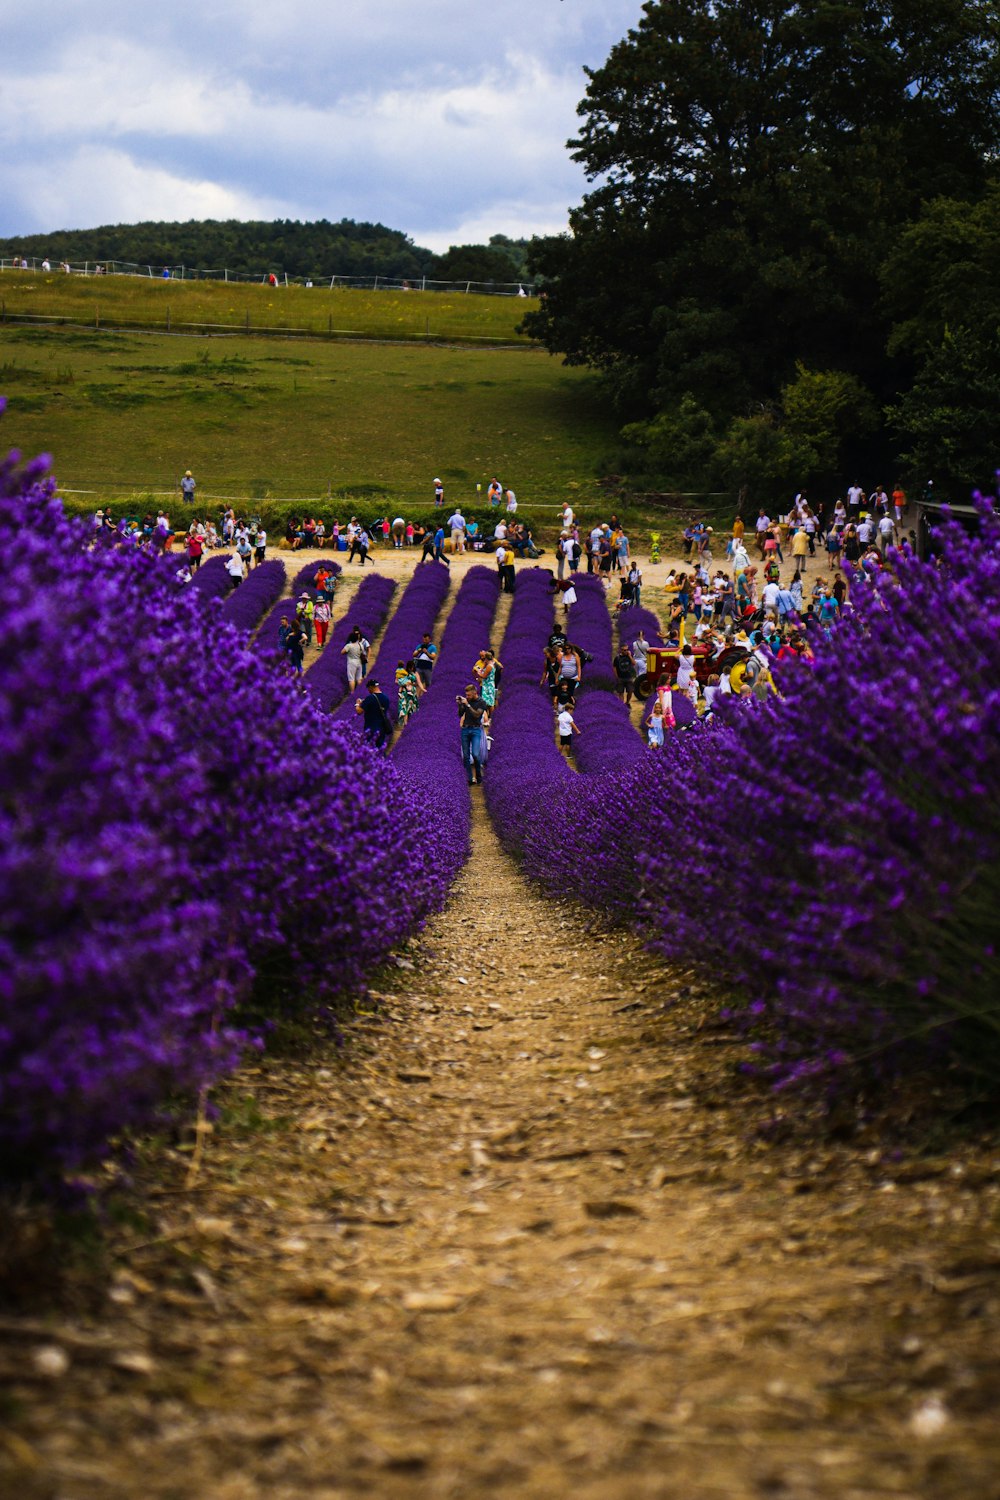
{"x": 753, "y": 161}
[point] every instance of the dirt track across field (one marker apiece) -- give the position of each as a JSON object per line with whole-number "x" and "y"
{"x": 517, "y": 1237}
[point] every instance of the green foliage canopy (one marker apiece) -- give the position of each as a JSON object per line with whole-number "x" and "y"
{"x": 754, "y": 162}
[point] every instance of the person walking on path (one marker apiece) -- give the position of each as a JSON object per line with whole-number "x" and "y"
{"x": 456, "y": 523}
{"x": 899, "y": 503}
{"x": 353, "y": 649}
{"x": 409, "y": 689}
{"x": 260, "y": 547}
{"x": 195, "y": 548}
{"x": 800, "y": 549}
{"x": 635, "y": 581}
{"x": 234, "y": 567}
{"x": 359, "y": 545}
{"x": 305, "y": 613}
{"x": 187, "y": 487}
{"x": 625, "y": 673}
{"x": 657, "y": 721}
{"x": 567, "y": 726}
{"x": 471, "y": 709}
{"x": 423, "y": 659}
{"x": 374, "y": 709}
{"x": 321, "y": 621}
{"x": 438, "y": 492}
{"x": 487, "y": 672}
{"x": 295, "y": 645}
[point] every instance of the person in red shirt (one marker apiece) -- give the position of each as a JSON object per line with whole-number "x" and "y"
{"x": 195, "y": 548}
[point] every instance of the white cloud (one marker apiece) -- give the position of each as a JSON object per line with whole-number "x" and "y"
{"x": 447, "y": 122}
{"x": 99, "y": 185}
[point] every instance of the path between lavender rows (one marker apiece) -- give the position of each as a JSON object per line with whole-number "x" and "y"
{"x": 516, "y": 1237}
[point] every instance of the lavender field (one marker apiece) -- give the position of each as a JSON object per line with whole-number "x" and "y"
{"x": 633, "y": 1073}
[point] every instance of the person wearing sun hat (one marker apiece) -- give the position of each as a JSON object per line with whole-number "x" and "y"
{"x": 305, "y": 612}
{"x": 187, "y": 487}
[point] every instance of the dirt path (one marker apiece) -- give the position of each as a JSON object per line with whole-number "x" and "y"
{"x": 516, "y": 1238}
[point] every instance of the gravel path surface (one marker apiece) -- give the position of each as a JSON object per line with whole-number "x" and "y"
{"x": 517, "y": 1237}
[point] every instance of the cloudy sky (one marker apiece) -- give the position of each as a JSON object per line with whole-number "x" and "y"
{"x": 447, "y": 120}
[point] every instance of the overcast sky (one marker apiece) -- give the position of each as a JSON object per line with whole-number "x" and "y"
{"x": 446, "y": 119}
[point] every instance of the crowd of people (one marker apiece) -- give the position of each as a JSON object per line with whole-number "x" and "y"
{"x": 475, "y": 705}
{"x": 783, "y": 581}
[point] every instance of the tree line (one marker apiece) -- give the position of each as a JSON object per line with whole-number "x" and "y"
{"x": 785, "y": 270}
{"x": 316, "y": 250}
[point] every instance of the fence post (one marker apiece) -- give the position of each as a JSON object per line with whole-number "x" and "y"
{"x": 467, "y": 285}
{"x": 375, "y": 288}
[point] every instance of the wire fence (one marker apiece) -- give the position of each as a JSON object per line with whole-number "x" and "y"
{"x": 42, "y": 266}
{"x": 126, "y": 491}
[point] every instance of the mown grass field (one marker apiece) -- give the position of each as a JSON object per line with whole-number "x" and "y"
{"x": 127, "y": 413}
{"x": 145, "y": 302}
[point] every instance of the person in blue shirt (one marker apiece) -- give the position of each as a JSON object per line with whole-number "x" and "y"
{"x": 374, "y": 708}
{"x": 439, "y": 547}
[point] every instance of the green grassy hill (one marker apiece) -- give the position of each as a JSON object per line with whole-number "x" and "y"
{"x": 178, "y": 306}
{"x": 126, "y": 413}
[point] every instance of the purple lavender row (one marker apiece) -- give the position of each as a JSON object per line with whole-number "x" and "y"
{"x": 608, "y": 740}
{"x": 211, "y": 580}
{"x": 589, "y": 628}
{"x": 326, "y": 679}
{"x": 527, "y": 773}
{"x": 639, "y": 621}
{"x": 257, "y": 593}
{"x": 428, "y": 753}
{"x": 304, "y": 581}
{"x": 529, "y": 626}
{"x": 415, "y": 613}
{"x": 139, "y": 900}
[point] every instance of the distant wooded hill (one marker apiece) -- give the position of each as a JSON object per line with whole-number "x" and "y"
{"x": 286, "y": 247}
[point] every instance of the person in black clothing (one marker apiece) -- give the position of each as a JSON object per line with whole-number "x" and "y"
{"x": 360, "y": 546}
{"x": 471, "y": 709}
{"x": 295, "y": 646}
{"x": 624, "y": 665}
{"x": 374, "y": 706}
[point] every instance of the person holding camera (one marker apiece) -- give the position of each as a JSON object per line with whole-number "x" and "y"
{"x": 471, "y": 710}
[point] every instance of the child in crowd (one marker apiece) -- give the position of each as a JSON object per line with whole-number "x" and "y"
{"x": 567, "y": 725}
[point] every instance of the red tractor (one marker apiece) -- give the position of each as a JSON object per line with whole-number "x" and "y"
{"x": 662, "y": 661}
